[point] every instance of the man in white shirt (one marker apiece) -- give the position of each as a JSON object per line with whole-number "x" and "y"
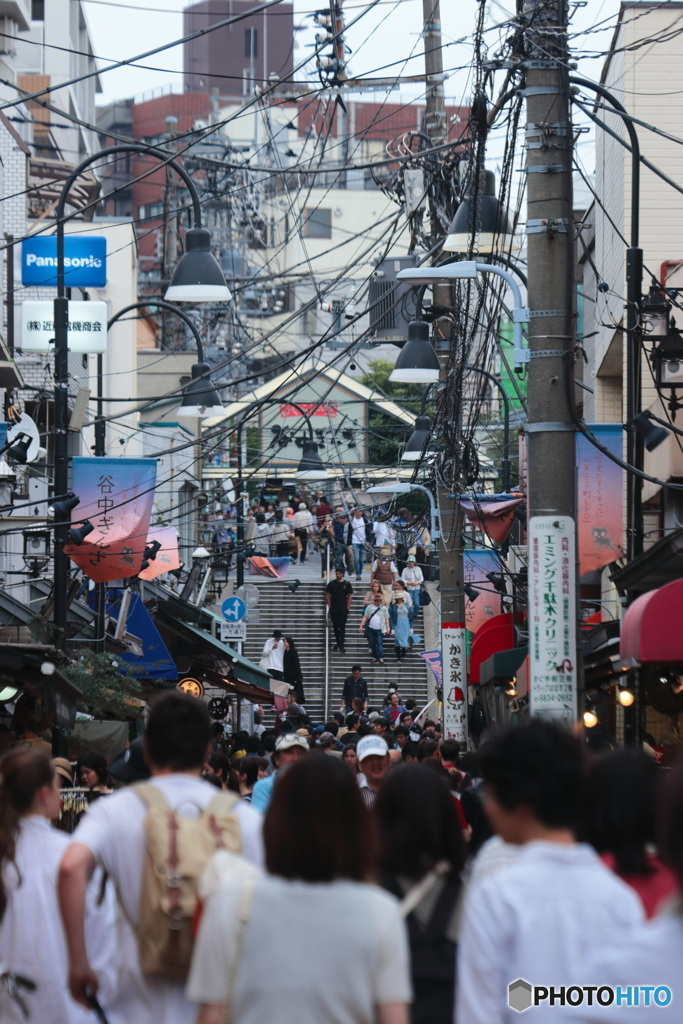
{"x": 274, "y": 650}
{"x": 112, "y": 834}
{"x": 536, "y": 921}
{"x": 385, "y": 535}
{"x": 413, "y": 578}
{"x": 303, "y": 523}
{"x": 358, "y": 539}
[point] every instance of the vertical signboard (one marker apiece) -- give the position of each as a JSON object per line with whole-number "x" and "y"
{"x": 600, "y": 520}
{"x": 454, "y": 662}
{"x": 552, "y": 614}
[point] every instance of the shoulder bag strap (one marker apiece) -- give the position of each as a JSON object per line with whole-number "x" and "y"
{"x": 417, "y": 893}
{"x": 242, "y": 919}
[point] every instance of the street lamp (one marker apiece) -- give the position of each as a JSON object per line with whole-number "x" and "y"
{"x": 484, "y": 218}
{"x": 418, "y": 362}
{"x": 199, "y": 268}
{"x": 397, "y": 487}
{"x": 417, "y": 442}
{"x": 469, "y": 270}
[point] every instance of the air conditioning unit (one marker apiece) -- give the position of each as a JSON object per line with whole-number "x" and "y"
{"x": 391, "y": 303}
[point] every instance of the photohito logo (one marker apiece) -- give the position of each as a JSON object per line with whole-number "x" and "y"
{"x": 522, "y": 995}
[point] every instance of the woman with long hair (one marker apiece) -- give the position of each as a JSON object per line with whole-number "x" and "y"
{"x": 92, "y": 772}
{"x": 32, "y": 942}
{"x": 350, "y": 757}
{"x": 421, "y": 854}
{"x": 291, "y": 670}
{"x": 320, "y": 859}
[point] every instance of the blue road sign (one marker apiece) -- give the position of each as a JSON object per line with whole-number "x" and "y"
{"x": 85, "y": 261}
{"x": 234, "y": 609}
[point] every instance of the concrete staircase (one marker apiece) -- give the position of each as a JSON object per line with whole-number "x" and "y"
{"x": 302, "y": 616}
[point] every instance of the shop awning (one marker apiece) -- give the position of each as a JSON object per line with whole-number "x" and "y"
{"x": 496, "y": 634}
{"x": 659, "y": 565}
{"x": 502, "y": 665}
{"x": 147, "y": 656}
{"x": 652, "y": 628}
{"x": 21, "y": 666}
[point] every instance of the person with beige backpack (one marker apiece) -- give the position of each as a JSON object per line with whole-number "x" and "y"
{"x": 154, "y": 840}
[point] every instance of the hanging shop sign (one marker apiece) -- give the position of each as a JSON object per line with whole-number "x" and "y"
{"x": 87, "y": 326}
{"x": 486, "y": 603}
{"x": 454, "y": 662}
{"x": 167, "y": 557}
{"x": 191, "y": 686}
{"x": 600, "y": 521}
{"x": 552, "y": 617}
{"x": 116, "y": 497}
{"x": 85, "y": 261}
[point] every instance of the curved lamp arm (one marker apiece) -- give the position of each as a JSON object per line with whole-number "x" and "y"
{"x": 161, "y": 304}
{"x": 132, "y": 147}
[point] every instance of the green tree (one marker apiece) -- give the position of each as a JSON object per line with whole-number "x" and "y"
{"x": 106, "y": 690}
{"x": 386, "y": 433}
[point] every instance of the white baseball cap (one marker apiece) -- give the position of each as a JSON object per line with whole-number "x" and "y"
{"x": 291, "y": 739}
{"x": 369, "y": 745}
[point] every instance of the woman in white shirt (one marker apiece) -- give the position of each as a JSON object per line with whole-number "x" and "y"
{"x": 316, "y": 901}
{"x": 32, "y": 942}
{"x": 413, "y": 578}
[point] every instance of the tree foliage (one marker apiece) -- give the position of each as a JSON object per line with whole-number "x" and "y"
{"x": 106, "y": 690}
{"x": 386, "y": 433}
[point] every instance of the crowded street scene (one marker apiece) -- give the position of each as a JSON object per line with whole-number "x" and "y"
{"x": 341, "y": 527}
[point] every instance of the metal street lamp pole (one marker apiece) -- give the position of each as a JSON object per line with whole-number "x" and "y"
{"x": 61, "y": 396}
{"x": 505, "y": 463}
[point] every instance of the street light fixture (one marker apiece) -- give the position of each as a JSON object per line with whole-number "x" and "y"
{"x": 469, "y": 270}
{"x": 418, "y": 362}
{"x": 198, "y": 276}
{"x": 484, "y": 218}
{"x": 311, "y": 466}
{"x": 418, "y": 440}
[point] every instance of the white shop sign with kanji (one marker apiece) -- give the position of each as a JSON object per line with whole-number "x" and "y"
{"x": 552, "y": 617}
{"x": 87, "y": 326}
{"x": 454, "y": 661}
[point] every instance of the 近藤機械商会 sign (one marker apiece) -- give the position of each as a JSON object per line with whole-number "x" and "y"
{"x": 85, "y": 261}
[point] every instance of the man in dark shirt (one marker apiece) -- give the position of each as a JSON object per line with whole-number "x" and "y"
{"x": 354, "y": 686}
{"x": 338, "y": 595}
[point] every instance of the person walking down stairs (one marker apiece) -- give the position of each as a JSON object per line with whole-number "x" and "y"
{"x": 338, "y": 596}
{"x": 376, "y": 617}
{"x": 303, "y": 523}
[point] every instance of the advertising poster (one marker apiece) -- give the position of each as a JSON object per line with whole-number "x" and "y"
{"x": 552, "y": 617}
{"x": 116, "y": 497}
{"x": 479, "y": 561}
{"x": 454, "y": 660}
{"x": 600, "y": 518}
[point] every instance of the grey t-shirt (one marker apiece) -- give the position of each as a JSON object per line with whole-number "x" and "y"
{"x": 312, "y": 953}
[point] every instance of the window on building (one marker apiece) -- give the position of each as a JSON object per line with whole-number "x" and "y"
{"x": 251, "y": 42}
{"x": 37, "y": 10}
{"x": 318, "y": 223}
{"x": 147, "y": 210}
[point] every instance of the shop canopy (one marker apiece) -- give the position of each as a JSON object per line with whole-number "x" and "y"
{"x": 652, "y": 628}
{"x": 496, "y": 634}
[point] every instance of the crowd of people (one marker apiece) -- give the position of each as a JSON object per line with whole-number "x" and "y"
{"x": 361, "y": 870}
{"x": 345, "y": 539}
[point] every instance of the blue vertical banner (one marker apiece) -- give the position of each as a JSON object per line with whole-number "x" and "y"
{"x": 600, "y": 498}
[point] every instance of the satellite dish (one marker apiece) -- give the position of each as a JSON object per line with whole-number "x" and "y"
{"x": 25, "y": 425}
{"x": 249, "y": 594}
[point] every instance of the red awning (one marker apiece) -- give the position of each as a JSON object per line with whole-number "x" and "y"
{"x": 652, "y": 628}
{"x": 497, "y": 634}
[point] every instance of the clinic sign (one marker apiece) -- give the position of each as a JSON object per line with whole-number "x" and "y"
{"x": 85, "y": 261}
{"x": 552, "y": 614}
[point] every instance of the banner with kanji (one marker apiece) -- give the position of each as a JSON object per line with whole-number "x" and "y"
{"x": 116, "y": 497}
{"x": 599, "y": 499}
{"x": 454, "y": 661}
{"x": 167, "y": 556}
{"x": 477, "y": 562}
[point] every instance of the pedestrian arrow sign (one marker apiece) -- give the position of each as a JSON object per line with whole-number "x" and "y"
{"x": 234, "y": 609}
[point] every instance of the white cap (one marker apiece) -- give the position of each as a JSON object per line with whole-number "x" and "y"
{"x": 291, "y": 739}
{"x": 369, "y": 745}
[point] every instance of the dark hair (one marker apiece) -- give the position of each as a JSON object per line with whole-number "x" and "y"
{"x": 219, "y": 763}
{"x": 233, "y": 781}
{"x": 410, "y": 750}
{"x": 23, "y": 773}
{"x": 178, "y": 731}
{"x": 338, "y": 717}
{"x": 426, "y": 748}
{"x": 252, "y": 745}
{"x": 260, "y": 517}
{"x": 671, "y": 821}
{"x": 331, "y": 727}
{"x": 417, "y": 823}
{"x": 355, "y": 668}
{"x": 97, "y": 763}
{"x": 249, "y": 767}
{"x": 405, "y": 714}
{"x": 450, "y": 750}
{"x": 352, "y": 720}
{"x": 364, "y": 729}
{"x": 620, "y": 808}
{"x": 537, "y": 764}
{"x": 317, "y": 827}
{"x": 268, "y": 741}
{"x": 410, "y": 704}
{"x": 401, "y": 730}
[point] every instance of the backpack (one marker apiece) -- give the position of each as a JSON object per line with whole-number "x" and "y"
{"x": 177, "y": 849}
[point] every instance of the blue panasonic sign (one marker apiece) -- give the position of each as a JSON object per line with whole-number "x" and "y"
{"x": 85, "y": 261}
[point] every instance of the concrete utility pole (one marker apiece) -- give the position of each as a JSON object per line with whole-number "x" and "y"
{"x": 451, "y": 570}
{"x": 550, "y": 431}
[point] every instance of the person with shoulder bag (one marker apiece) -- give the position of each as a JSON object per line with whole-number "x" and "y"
{"x": 154, "y": 840}
{"x": 421, "y": 855}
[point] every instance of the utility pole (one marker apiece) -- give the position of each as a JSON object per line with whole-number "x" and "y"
{"x": 451, "y": 564}
{"x": 553, "y": 605}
